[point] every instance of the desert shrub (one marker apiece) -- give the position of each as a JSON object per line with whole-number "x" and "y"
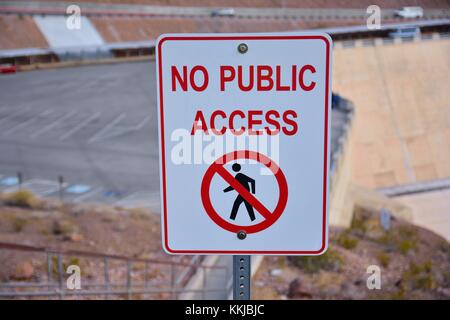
{"x": 420, "y": 276}
{"x": 19, "y": 224}
{"x": 359, "y": 223}
{"x": 406, "y": 245}
{"x": 407, "y": 232}
{"x": 403, "y": 239}
{"x": 139, "y": 213}
{"x": 384, "y": 259}
{"x": 330, "y": 260}
{"x": 346, "y": 240}
{"x": 281, "y": 262}
{"x": 21, "y": 198}
{"x": 63, "y": 227}
{"x": 65, "y": 265}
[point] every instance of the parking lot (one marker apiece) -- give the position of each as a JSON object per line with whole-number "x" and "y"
{"x": 95, "y": 125}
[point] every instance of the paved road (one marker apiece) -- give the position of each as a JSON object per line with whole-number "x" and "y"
{"x": 95, "y": 125}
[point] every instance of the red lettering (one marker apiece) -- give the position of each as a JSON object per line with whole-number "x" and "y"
{"x": 273, "y": 122}
{"x": 278, "y": 77}
{"x": 177, "y": 77}
{"x": 252, "y": 122}
{"x": 290, "y": 122}
{"x": 294, "y": 76}
{"x": 213, "y": 121}
{"x": 231, "y": 122}
{"x": 205, "y": 78}
{"x": 301, "y": 77}
{"x": 224, "y": 78}
{"x": 250, "y": 79}
{"x": 199, "y": 117}
{"x": 264, "y": 77}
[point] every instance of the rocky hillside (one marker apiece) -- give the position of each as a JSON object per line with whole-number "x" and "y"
{"x": 414, "y": 264}
{"x": 27, "y": 220}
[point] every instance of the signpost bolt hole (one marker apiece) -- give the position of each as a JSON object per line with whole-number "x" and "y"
{"x": 242, "y": 48}
{"x": 241, "y": 235}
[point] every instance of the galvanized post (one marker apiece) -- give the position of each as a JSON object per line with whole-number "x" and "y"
{"x": 241, "y": 277}
{"x": 129, "y": 279}
{"x": 61, "y": 277}
{"x": 106, "y": 275}
{"x": 203, "y": 283}
{"x": 172, "y": 281}
{"x": 19, "y": 179}
{"x": 61, "y": 191}
{"x": 49, "y": 271}
{"x": 145, "y": 275}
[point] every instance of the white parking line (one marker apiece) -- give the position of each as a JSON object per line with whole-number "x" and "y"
{"x": 26, "y": 123}
{"x": 110, "y": 125}
{"x": 79, "y": 126}
{"x": 141, "y": 124}
{"x": 12, "y": 116}
{"x": 87, "y": 195}
{"x": 52, "y": 125}
{"x": 118, "y": 131}
{"x": 140, "y": 199}
{"x": 38, "y": 186}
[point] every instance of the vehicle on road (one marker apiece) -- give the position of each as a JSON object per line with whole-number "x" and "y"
{"x": 223, "y": 12}
{"x": 407, "y": 32}
{"x": 409, "y": 12}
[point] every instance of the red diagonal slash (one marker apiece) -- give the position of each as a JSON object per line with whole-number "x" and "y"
{"x": 243, "y": 192}
{"x": 218, "y": 167}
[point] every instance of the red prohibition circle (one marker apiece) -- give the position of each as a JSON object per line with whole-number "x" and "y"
{"x": 217, "y": 167}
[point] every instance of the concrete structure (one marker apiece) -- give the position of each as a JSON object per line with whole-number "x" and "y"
{"x": 401, "y": 96}
{"x": 430, "y": 210}
{"x": 58, "y": 35}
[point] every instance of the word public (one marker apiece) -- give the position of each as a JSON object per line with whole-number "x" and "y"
{"x": 258, "y": 78}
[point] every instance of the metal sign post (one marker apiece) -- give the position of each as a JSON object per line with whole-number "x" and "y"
{"x": 241, "y": 277}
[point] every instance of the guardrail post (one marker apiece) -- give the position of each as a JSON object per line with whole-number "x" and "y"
{"x": 106, "y": 276}
{"x": 145, "y": 275}
{"x": 129, "y": 279}
{"x": 172, "y": 281}
{"x": 60, "y": 277}
{"x": 49, "y": 271}
{"x": 203, "y": 282}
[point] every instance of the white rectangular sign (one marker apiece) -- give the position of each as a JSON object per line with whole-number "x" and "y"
{"x": 244, "y": 123}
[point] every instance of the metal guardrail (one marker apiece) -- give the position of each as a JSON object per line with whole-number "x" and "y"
{"x": 106, "y": 289}
{"x": 414, "y": 188}
{"x": 28, "y": 56}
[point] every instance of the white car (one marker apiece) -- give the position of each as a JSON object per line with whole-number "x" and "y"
{"x": 224, "y": 12}
{"x": 410, "y": 12}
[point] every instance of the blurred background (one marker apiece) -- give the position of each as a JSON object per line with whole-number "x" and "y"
{"x": 79, "y": 177}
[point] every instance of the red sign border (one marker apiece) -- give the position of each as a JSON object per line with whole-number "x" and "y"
{"x": 325, "y": 166}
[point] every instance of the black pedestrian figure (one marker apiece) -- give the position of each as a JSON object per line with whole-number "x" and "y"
{"x": 244, "y": 181}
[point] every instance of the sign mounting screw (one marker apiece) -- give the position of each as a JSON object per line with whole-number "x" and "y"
{"x": 241, "y": 235}
{"x": 242, "y": 48}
